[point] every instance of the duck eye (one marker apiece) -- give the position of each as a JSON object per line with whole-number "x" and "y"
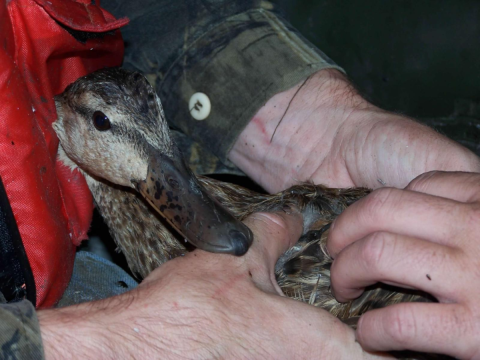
{"x": 101, "y": 121}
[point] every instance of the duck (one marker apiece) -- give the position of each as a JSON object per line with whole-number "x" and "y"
{"x": 112, "y": 128}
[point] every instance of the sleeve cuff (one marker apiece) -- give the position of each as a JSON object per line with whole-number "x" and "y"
{"x": 20, "y": 336}
{"x": 239, "y": 64}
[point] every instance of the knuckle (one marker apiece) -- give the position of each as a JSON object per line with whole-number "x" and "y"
{"x": 275, "y": 223}
{"x": 462, "y": 318}
{"x": 400, "y": 325}
{"x": 421, "y": 182}
{"x": 379, "y": 200}
{"x": 374, "y": 248}
{"x": 474, "y": 216}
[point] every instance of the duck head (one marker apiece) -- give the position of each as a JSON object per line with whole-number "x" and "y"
{"x": 111, "y": 124}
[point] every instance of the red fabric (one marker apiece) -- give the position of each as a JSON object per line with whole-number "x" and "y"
{"x": 38, "y": 59}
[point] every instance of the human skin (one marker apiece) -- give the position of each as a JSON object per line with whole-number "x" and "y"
{"x": 423, "y": 237}
{"x": 330, "y": 135}
{"x": 205, "y": 306}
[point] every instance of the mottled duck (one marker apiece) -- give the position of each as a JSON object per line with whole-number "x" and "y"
{"x": 112, "y": 127}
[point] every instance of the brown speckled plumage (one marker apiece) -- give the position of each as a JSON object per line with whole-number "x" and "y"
{"x": 303, "y": 272}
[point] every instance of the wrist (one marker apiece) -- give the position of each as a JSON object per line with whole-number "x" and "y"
{"x": 68, "y": 333}
{"x": 106, "y": 329}
{"x": 294, "y": 133}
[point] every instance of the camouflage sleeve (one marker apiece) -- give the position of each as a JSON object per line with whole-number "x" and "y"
{"x": 238, "y": 53}
{"x": 20, "y": 336}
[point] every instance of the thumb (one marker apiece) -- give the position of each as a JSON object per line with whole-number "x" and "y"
{"x": 274, "y": 233}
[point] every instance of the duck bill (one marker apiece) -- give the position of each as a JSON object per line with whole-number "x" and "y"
{"x": 174, "y": 191}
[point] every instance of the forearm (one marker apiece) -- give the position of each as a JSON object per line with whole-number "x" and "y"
{"x": 128, "y": 326}
{"x": 73, "y": 333}
{"x": 105, "y": 329}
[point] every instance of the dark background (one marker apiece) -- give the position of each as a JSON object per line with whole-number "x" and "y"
{"x": 420, "y": 58}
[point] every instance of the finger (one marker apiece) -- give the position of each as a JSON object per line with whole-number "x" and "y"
{"x": 395, "y": 260}
{"x": 459, "y": 186}
{"x": 398, "y": 211}
{"x": 437, "y": 328}
{"x": 274, "y": 234}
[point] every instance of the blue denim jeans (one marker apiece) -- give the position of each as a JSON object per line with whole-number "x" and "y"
{"x": 95, "y": 278}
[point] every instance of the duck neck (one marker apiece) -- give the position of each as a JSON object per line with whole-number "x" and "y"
{"x": 139, "y": 232}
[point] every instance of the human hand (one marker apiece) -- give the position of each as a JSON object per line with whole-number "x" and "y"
{"x": 330, "y": 135}
{"x": 205, "y": 306}
{"x": 425, "y": 237}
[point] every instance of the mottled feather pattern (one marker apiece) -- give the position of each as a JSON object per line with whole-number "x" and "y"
{"x": 140, "y": 233}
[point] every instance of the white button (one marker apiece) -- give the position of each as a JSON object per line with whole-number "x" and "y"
{"x": 199, "y": 106}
